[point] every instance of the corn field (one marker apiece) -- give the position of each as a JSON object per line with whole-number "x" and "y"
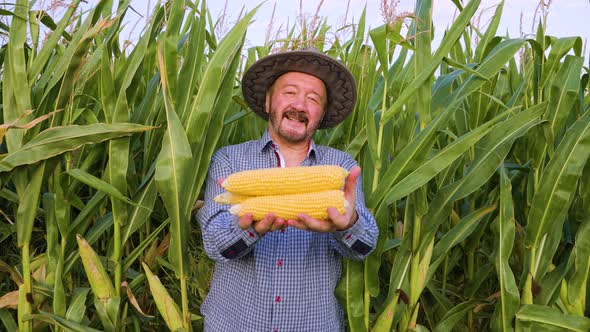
{"x": 474, "y": 157}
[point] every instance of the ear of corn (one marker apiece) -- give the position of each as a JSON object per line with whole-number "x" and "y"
{"x": 230, "y": 198}
{"x": 314, "y": 204}
{"x": 286, "y": 181}
{"x": 166, "y": 305}
{"x": 98, "y": 277}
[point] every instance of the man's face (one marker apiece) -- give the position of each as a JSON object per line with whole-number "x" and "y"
{"x": 296, "y": 104}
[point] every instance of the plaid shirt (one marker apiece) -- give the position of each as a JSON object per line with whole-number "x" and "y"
{"x": 285, "y": 280}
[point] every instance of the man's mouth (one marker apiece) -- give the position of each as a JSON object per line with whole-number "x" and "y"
{"x": 296, "y": 116}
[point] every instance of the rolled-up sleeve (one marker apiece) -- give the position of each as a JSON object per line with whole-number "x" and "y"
{"x": 358, "y": 241}
{"x": 223, "y": 239}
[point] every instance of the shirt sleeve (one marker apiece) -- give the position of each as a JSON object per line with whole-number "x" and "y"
{"x": 358, "y": 241}
{"x": 223, "y": 239}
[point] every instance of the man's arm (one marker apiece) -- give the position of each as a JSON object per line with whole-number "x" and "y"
{"x": 223, "y": 238}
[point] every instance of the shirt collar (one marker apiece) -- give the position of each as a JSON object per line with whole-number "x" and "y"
{"x": 266, "y": 142}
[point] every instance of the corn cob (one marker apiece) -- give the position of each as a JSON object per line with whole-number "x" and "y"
{"x": 166, "y": 305}
{"x": 290, "y": 206}
{"x": 99, "y": 280}
{"x": 285, "y": 181}
{"x": 229, "y": 198}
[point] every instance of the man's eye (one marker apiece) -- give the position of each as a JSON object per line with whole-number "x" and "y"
{"x": 314, "y": 100}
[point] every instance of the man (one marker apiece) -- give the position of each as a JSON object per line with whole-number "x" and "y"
{"x": 274, "y": 274}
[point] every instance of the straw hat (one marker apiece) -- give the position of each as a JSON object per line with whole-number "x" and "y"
{"x": 340, "y": 84}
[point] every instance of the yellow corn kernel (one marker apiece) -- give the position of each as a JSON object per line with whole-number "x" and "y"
{"x": 314, "y": 204}
{"x": 286, "y": 181}
{"x": 98, "y": 277}
{"x": 229, "y": 198}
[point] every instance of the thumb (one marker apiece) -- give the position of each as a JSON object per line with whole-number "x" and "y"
{"x": 350, "y": 184}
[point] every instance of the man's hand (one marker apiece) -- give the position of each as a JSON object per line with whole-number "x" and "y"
{"x": 337, "y": 221}
{"x": 269, "y": 223}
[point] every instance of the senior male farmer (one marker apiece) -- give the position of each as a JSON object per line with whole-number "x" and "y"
{"x": 274, "y": 274}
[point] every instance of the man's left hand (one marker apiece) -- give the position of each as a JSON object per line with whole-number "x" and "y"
{"x": 337, "y": 221}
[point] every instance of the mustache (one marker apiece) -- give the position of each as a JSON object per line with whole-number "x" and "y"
{"x": 297, "y": 115}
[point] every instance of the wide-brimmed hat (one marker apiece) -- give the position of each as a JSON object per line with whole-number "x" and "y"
{"x": 340, "y": 84}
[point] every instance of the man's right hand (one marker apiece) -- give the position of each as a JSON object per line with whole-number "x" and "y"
{"x": 269, "y": 223}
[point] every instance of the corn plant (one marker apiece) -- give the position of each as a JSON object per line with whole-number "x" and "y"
{"x": 112, "y": 148}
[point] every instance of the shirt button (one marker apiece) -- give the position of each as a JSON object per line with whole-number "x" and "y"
{"x": 280, "y": 263}
{"x": 283, "y": 230}
{"x": 277, "y": 299}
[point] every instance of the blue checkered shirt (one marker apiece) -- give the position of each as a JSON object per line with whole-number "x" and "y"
{"x": 285, "y": 280}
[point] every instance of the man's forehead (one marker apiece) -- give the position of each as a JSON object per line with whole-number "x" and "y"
{"x": 284, "y": 79}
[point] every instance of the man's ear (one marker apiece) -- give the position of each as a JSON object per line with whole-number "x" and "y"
{"x": 267, "y": 101}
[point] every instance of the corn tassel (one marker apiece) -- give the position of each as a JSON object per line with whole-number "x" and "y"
{"x": 286, "y": 181}
{"x": 314, "y": 204}
{"x": 98, "y": 277}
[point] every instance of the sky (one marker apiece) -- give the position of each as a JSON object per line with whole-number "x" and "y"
{"x": 564, "y": 17}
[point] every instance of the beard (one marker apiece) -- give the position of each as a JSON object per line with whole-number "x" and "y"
{"x": 276, "y": 119}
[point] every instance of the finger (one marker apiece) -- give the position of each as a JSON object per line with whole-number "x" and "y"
{"x": 297, "y": 224}
{"x": 245, "y": 221}
{"x": 350, "y": 184}
{"x": 220, "y": 181}
{"x": 278, "y": 224}
{"x": 314, "y": 224}
{"x": 339, "y": 220}
{"x": 264, "y": 225}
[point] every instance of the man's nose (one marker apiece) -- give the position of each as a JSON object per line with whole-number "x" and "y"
{"x": 298, "y": 102}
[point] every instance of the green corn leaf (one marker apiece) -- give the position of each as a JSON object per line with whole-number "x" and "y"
{"x": 455, "y": 315}
{"x": 27, "y": 209}
{"x": 552, "y": 318}
{"x": 456, "y": 235}
{"x": 139, "y": 250}
{"x": 98, "y": 184}
{"x": 504, "y": 228}
{"x": 216, "y": 72}
{"x": 485, "y": 41}
{"x": 412, "y": 154}
{"x": 433, "y": 166}
{"x": 140, "y": 213}
{"x": 55, "y": 141}
{"x": 108, "y": 312}
{"x": 446, "y": 44}
{"x": 491, "y": 151}
{"x": 423, "y": 32}
{"x": 563, "y": 96}
{"x": 579, "y": 280}
{"x": 553, "y": 195}
{"x": 190, "y": 74}
{"x": 172, "y": 166}
{"x": 354, "y": 295}
{"x": 77, "y": 306}
{"x": 559, "y": 48}
{"x": 50, "y": 44}
{"x": 7, "y": 320}
{"x": 66, "y": 324}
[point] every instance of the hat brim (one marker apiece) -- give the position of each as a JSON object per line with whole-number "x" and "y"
{"x": 340, "y": 84}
